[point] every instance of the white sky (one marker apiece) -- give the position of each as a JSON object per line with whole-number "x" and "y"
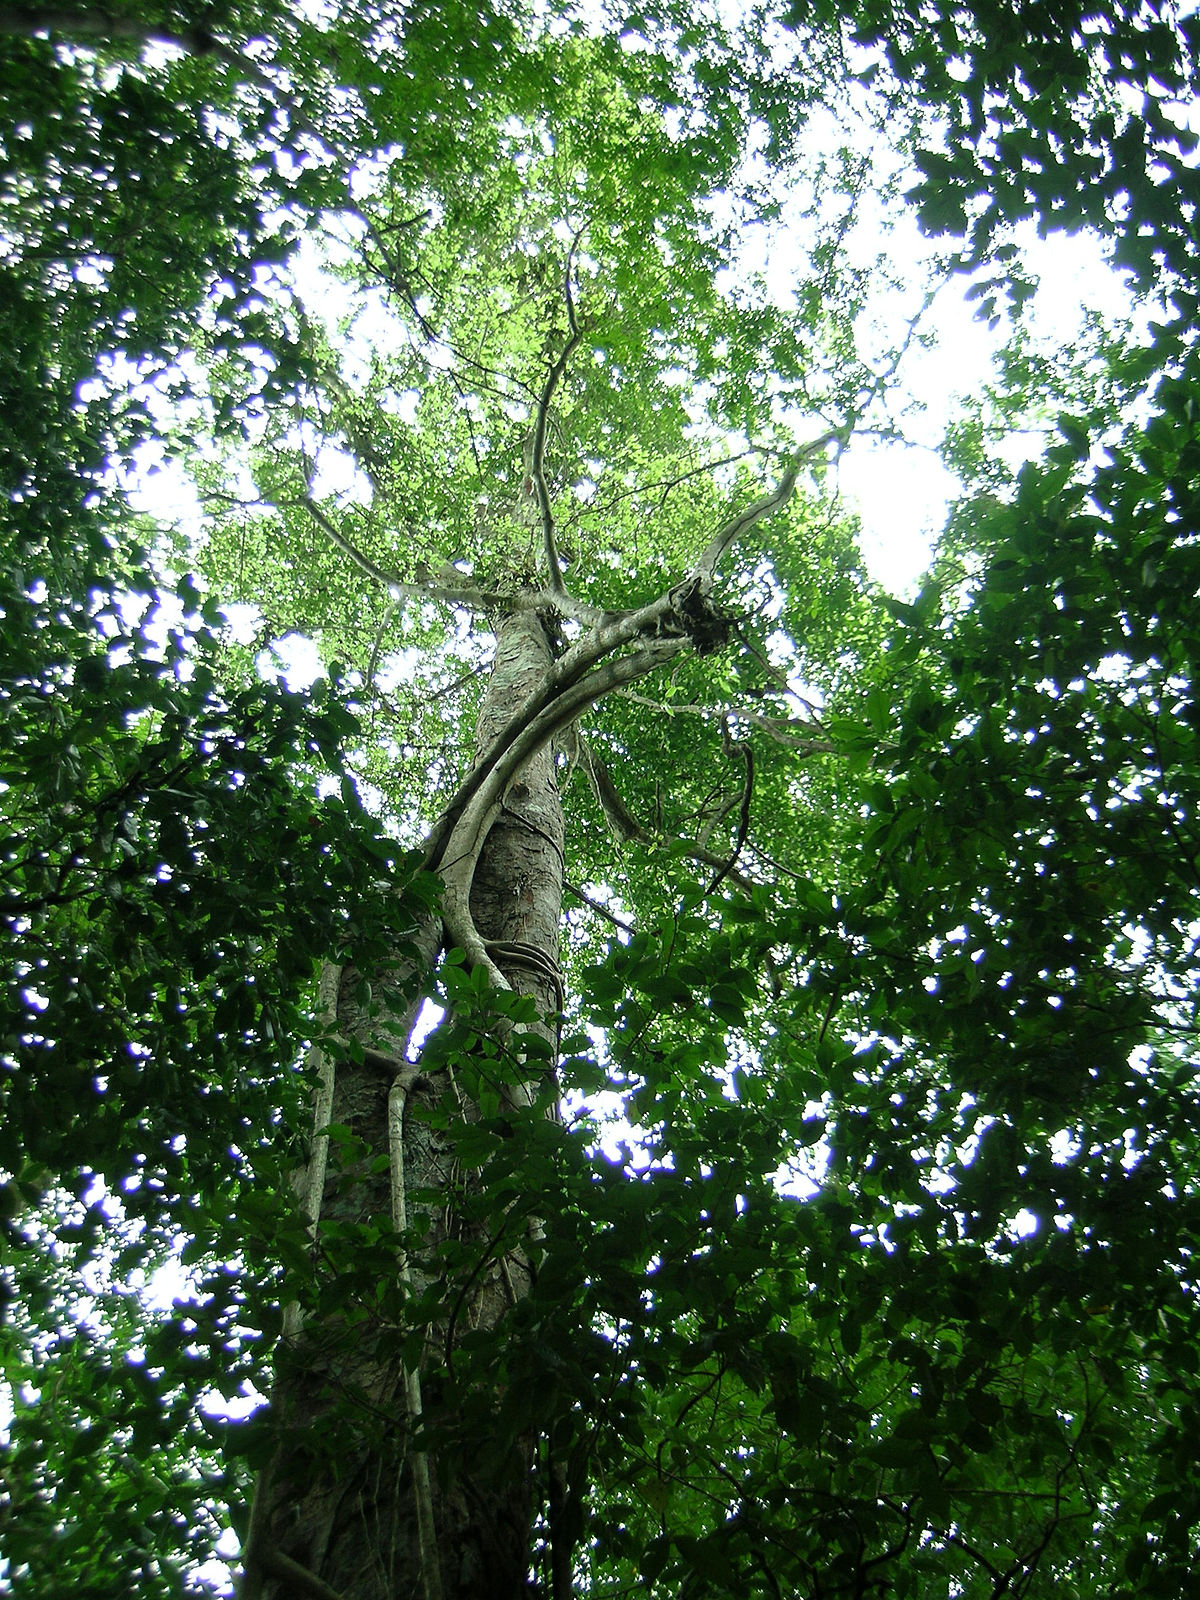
{"x": 902, "y": 493}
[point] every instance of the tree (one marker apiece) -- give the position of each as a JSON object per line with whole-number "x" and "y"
{"x": 881, "y": 914}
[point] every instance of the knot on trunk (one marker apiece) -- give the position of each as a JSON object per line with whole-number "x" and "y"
{"x": 694, "y": 615}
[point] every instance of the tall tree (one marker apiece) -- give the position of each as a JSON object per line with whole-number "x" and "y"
{"x": 879, "y": 915}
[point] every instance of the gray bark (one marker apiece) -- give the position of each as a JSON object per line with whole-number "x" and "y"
{"x": 516, "y": 893}
{"x": 338, "y": 1511}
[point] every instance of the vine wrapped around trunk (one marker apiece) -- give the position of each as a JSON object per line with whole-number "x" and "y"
{"x": 349, "y": 1385}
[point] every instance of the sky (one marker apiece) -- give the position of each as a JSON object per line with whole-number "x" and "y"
{"x": 902, "y": 492}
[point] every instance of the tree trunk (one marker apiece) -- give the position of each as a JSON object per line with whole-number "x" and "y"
{"x": 348, "y": 1507}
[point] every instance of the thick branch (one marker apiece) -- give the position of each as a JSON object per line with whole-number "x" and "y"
{"x": 459, "y": 594}
{"x": 559, "y": 714}
{"x": 616, "y": 813}
{"x": 303, "y": 1581}
{"x": 602, "y": 641}
{"x": 457, "y": 858}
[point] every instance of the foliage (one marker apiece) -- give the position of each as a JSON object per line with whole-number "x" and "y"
{"x": 170, "y": 873}
{"x": 883, "y": 1286}
{"x": 170, "y": 879}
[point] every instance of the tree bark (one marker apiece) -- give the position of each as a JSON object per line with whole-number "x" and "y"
{"x": 516, "y": 895}
{"x": 341, "y": 1508}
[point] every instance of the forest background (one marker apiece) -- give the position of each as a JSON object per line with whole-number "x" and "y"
{"x": 798, "y": 1193}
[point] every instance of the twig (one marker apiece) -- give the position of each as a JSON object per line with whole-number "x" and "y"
{"x": 667, "y": 484}
{"x": 377, "y": 646}
{"x": 337, "y": 537}
{"x": 394, "y": 277}
{"x": 601, "y": 911}
{"x": 777, "y": 677}
{"x": 789, "y": 872}
{"x": 774, "y": 727}
{"x": 451, "y": 688}
{"x": 481, "y": 1261}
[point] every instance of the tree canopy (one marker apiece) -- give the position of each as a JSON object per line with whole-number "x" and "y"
{"x": 851, "y": 1181}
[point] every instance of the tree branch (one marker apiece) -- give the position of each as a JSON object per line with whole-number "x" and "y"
{"x": 301, "y": 1579}
{"x": 603, "y": 640}
{"x": 668, "y": 484}
{"x": 601, "y": 911}
{"x": 616, "y": 813}
{"x": 456, "y": 858}
{"x": 735, "y": 747}
{"x": 774, "y": 727}
{"x": 537, "y": 456}
{"x": 559, "y": 713}
{"x": 777, "y": 677}
{"x": 629, "y": 830}
{"x": 466, "y": 594}
{"x": 731, "y": 531}
{"x": 659, "y": 630}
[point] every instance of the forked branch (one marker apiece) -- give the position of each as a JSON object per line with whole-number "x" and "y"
{"x": 617, "y": 650}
